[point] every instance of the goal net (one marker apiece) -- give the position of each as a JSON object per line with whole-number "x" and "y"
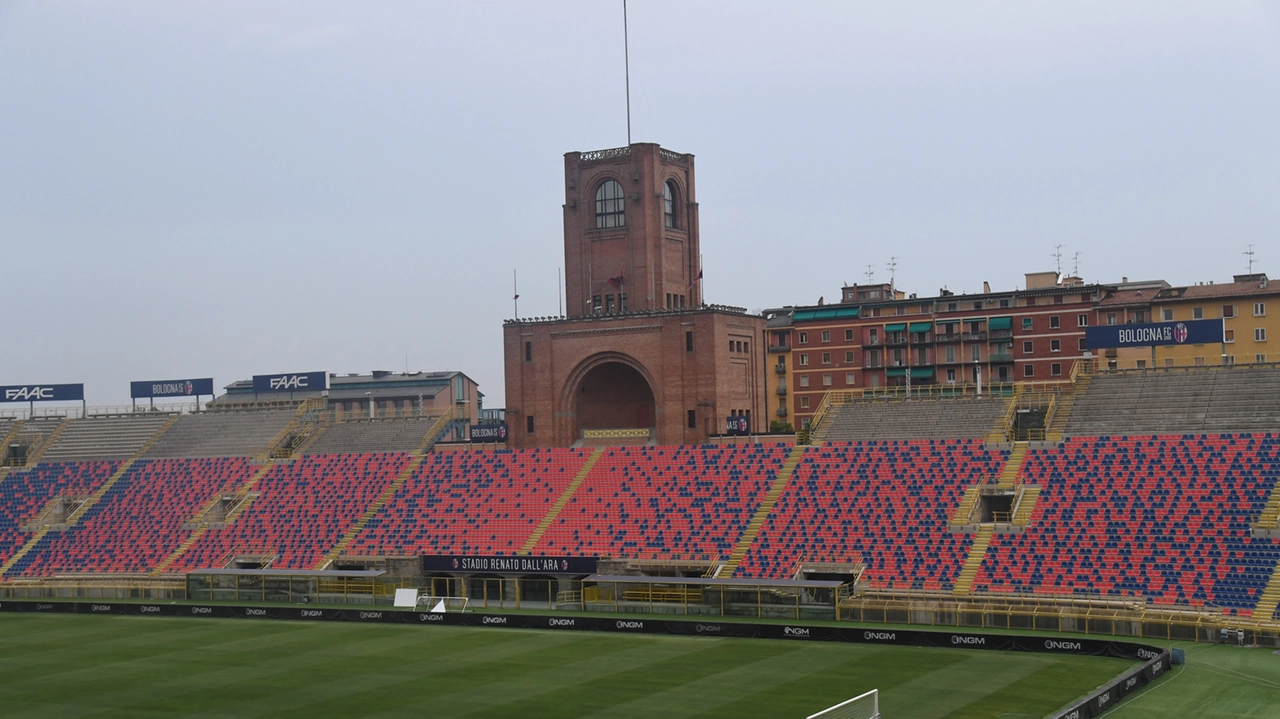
{"x": 863, "y": 706}
{"x": 443, "y": 604}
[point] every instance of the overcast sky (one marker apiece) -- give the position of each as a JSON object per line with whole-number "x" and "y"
{"x": 223, "y": 189}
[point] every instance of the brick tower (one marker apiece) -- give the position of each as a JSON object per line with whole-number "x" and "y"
{"x": 639, "y": 356}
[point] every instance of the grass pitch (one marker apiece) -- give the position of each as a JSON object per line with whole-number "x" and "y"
{"x": 74, "y": 666}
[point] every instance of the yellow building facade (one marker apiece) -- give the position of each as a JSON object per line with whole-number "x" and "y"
{"x": 1250, "y": 309}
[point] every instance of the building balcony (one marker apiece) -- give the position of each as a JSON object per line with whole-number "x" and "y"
{"x": 922, "y": 338}
{"x": 1001, "y": 334}
{"x": 872, "y": 364}
{"x": 895, "y": 341}
{"x": 780, "y": 369}
{"x": 1002, "y": 357}
{"x": 782, "y": 412}
{"x": 974, "y": 336}
{"x": 781, "y": 391}
{"x": 873, "y": 342}
{"x": 779, "y": 348}
{"x": 947, "y": 337}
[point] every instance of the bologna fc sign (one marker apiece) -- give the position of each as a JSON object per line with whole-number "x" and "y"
{"x": 1191, "y": 332}
{"x": 171, "y": 388}
{"x": 489, "y": 432}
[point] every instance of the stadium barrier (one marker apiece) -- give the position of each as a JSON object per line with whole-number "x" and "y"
{"x": 658, "y": 596}
{"x": 899, "y": 637}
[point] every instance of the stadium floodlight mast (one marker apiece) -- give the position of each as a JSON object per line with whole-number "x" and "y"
{"x": 863, "y": 706}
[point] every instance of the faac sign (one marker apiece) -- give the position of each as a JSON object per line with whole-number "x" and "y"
{"x": 1191, "y": 332}
{"x": 171, "y": 388}
{"x": 295, "y": 382}
{"x": 42, "y": 393}
{"x": 489, "y": 432}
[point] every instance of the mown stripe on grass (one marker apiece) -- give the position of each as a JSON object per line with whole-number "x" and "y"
{"x": 1040, "y": 692}
{"x": 712, "y": 692}
{"x": 884, "y": 669}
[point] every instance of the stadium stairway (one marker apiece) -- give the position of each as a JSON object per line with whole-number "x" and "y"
{"x": 371, "y": 510}
{"x": 49, "y": 439}
{"x": 1067, "y": 402}
{"x": 1269, "y": 599}
{"x": 1007, "y": 479}
{"x": 244, "y": 495}
{"x": 752, "y": 530}
{"x": 545, "y": 523}
{"x": 1009, "y": 475}
{"x": 977, "y": 553}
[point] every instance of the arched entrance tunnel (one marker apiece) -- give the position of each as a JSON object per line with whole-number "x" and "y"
{"x": 614, "y": 395}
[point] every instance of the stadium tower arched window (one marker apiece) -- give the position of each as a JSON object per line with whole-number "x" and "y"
{"x": 669, "y": 203}
{"x": 610, "y": 211}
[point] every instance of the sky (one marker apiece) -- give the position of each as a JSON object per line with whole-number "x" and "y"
{"x": 233, "y": 188}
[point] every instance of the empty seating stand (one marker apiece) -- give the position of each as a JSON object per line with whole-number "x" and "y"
{"x": 221, "y": 434}
{"x": 1173, "y": 401}
{"x": 665, "y": 502}
{"x": 899, "y": 419}
{"x": 104, "y": 437}
{"x": 138, "y": 522}
{"x": 471, "y": 502}
{"x": 378, "y": 435}
{"x": 885, "y": 504}
{"x": 304, "y": 508}
{"x": 24, "y": 493}
{"x": 1159, "y": 518}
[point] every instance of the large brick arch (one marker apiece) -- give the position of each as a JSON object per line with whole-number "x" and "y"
{"x": 620, "y": 402}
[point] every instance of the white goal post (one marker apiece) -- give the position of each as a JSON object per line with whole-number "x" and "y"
{"x": 863, "y": 706}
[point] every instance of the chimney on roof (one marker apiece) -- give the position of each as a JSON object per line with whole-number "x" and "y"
{"x": 986, "y": 287}
{"x": 1124, "y": 280}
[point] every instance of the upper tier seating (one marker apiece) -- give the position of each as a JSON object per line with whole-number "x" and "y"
{"x": 23, "y": 493}
{"x": 471, "y": 502}
{"x": 379, "y": 435}
{"x": 1167, "y": 518}
{"x": 221, "y": 434}
{"x": 665, "y": 502}
{"x": 899, "y": 419}
{"x": 104, "y": 437}
{"x": 138, "y": 522}
{"x": 886, "y": 504}
{"x": 1195, "y": 399}
{"x": 304, "y": 508}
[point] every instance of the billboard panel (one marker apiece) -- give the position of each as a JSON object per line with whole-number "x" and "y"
{"x": 1150, "y": 334}
{"x": 291, "y": 382}
{"x": 740, "y": 425}
{"x": 489, "y": 432}
{"x": 171, "y": 388}
{"x": 489, "y": 563}
{"x": 42, "y": 393}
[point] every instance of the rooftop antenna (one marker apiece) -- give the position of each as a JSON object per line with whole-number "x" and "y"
{"x": 870, "y": 273}
{"x": 1057, "y": 256}
{"x": 626, "y": 60}
{"x": 1250, "y": 253}
{"x": 1075, "y": 264}
{"x": 515, "y": 288}
{"x": 893, "y": 272}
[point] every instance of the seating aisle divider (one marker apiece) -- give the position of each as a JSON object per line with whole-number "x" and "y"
{"x": 762, "y": 512}
{"x": 545, "y": 523}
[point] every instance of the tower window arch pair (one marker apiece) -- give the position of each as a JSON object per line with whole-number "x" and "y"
{"x": 611, "y": 205}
